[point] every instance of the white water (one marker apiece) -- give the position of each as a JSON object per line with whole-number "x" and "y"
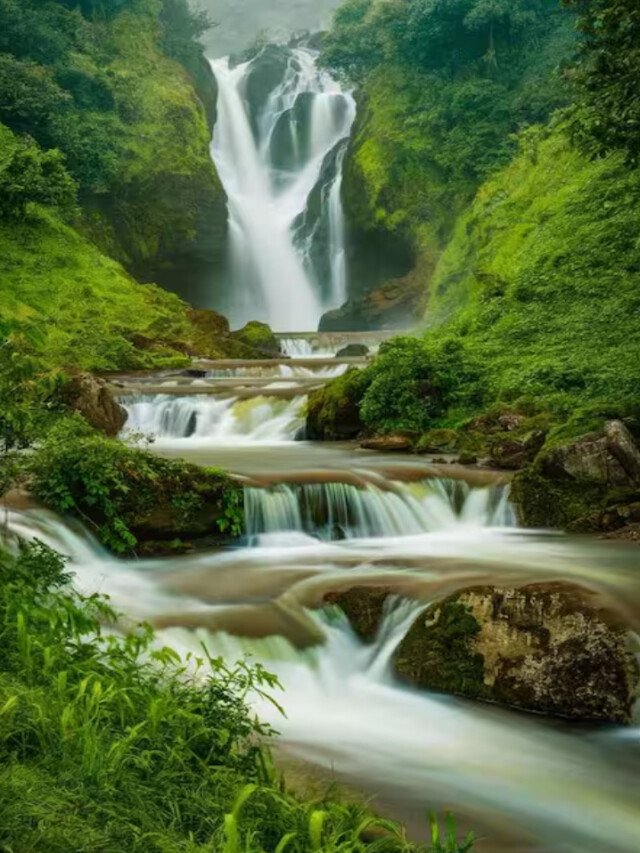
{"x": 265, "y": 200}
{"x": 201, "y": 419}
{"x": 344, "y": 511}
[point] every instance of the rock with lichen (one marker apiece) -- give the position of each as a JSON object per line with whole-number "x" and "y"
{"x": 547, "y": 647}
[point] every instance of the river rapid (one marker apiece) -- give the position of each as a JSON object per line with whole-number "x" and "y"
{"x": 319, "y": 517}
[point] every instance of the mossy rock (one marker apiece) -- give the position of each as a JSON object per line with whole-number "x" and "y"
{"x": 255, "y": 340}
{"x": 549, "y": 648}
{"x": 333, "y": 412}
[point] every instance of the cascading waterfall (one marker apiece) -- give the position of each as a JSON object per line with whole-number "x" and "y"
{"x": 271, "y": 153}
{"x": 547, "y": 788}
{"x": 344, "y": 511}
{"x": 201, "y": 418}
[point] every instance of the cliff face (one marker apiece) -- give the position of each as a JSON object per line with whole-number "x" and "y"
{"x": 164, "y": 216}
{"x": 429, "y": 132}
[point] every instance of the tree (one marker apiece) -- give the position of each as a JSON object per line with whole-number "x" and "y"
{"x": 608, "y": 75}
{"x": 30, "y": 175}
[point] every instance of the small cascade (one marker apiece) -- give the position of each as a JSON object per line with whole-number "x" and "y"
{"x": 273, "y": 145}
{"x": 305, "y": 348}
{"x": 331, "y": 511}
{"x": 214, "y": 419}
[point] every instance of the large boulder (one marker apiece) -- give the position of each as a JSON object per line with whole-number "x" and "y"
{"x": 94, "y": 400}
{"x": 545, "y": 647}
{"x": 393, "y": 305}
{"x": 583, "y": 485}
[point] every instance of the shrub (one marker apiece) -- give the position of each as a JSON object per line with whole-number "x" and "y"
{"x": 413, "y": 383}
{"x": 126, "y": 494}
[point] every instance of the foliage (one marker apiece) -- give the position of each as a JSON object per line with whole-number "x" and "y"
{"x": 119, "y": 489}
{"x": 29, "y": 175}
{"x": 111, "y": 742}
{"x": 99, "y": 81}
{"x": 608, "y": 117}
{"x": 443, "y": 88}
{"x": 411, "y": 384}
{"x": 546, "y": 262}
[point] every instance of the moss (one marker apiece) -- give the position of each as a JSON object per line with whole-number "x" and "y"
{"x": 546, "y": 502}
{"x": 333, "y": 412}
{"x": 437, "y": 651}
{"x": 255, "y": 340}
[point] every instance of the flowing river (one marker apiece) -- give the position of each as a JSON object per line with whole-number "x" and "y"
{"x": 321, "y": 516}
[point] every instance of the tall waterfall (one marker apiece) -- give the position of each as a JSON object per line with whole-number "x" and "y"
{"x": 279, "y": 147}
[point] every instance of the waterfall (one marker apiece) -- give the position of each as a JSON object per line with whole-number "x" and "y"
{"x": 344, "y": 511}
{"x": 272, "y": 145}
{"x": 202, "y": 418}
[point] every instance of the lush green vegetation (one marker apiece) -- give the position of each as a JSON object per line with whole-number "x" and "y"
{"x": 608, "y": 114}
{"x": 127, "y": 494}
{"x": 99, "y": 82}
{"x": 111, "y": 742}
{"x": 443, "y": 86}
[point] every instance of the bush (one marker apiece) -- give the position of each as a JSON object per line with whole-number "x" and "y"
{"x": 126, "y": 494}
{"x": 29, "y": 175}
{"x": 413, "y": 384}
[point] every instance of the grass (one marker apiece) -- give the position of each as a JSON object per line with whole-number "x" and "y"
{"x": 109, "y": 742}
{"x": 88, "y": 309}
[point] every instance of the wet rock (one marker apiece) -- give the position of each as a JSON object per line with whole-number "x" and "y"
{"x": 93, "y": 399}
{"x": 515, "y": 453}
{"x": 388, "y": 443}
{"x": 467, "y": 459}
{"x": 363, "y": 606}
{"x": 545, "y": 647}
{"x": 353, "y": 351}
{"x": 581, "y": 485}
{"x": 394, "y": 305}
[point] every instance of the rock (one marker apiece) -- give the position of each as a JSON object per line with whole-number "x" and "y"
{"x": 628, "y": 533}
{"x": 388, "y": 443}
{"x": 581, "y": 485}
{"x": 545, "y": 647}
{"x": 256, "y": 340}
{"x": 467, "y": 459}
{"x": 210, "y": 333}
{"x": 610, "y": 457}
{"x": 333, "y": 412}
{"x": 353, "y": 351}
{"x": 93, "y": 398}
{"x": 514, "y": 453}
{"x": 438, "y": 441}
{"x": 363, "y": 606}
{"x": 394, "y": 305}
